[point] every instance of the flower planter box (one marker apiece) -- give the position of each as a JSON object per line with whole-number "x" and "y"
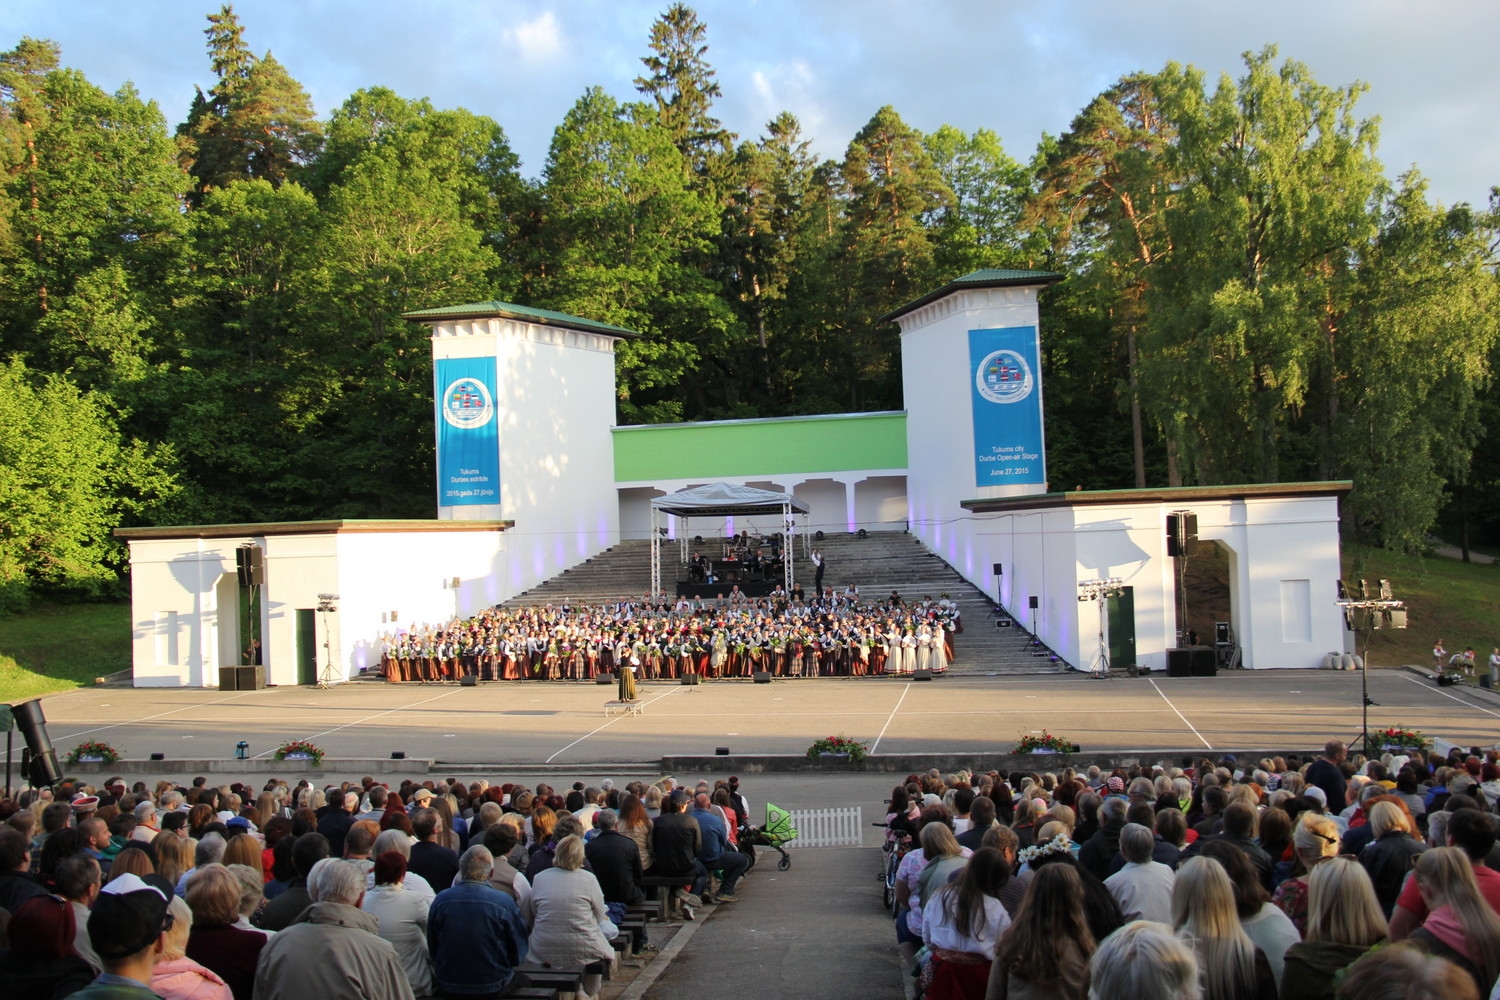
{"x": 298, "y": 756}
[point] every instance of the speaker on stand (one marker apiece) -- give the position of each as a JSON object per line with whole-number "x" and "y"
{"x": 39, "y": 764}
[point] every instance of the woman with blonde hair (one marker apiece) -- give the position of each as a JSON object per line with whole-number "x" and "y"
{"x": 1143, "y": 959}
{"x": 1230, "y": 967}
{"x": 1315, "y": 840}
{"x": 174, "y": 855}
{"x": 177, "y": 977}
{"x": 1343, "y": 922}
{"x": 447, "y": 834}
{"x": 1460, "y": 925}
{"x": 1388, "y": 858}
{"x": 244, "y": 850}
{"x": 566, "y": 912}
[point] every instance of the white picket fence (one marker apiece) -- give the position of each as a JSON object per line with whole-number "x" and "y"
{"x": 828, "y": 827}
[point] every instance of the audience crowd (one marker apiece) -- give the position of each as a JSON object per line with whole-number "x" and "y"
{"x": 356, "y": 890}
{"x": 831, "y": 635}
{"x": 1213, "y": 880}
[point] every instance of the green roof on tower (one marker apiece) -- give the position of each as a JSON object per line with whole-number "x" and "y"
{"x": 526, "y": 314}
{"x": 989, "y": 277}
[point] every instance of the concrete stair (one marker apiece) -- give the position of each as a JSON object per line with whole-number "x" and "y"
{"x": 878, "y": 564}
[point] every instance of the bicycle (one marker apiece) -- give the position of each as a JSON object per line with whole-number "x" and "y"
{"x": 892, "y": 851}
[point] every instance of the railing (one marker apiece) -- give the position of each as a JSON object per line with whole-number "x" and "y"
{"x": 828, "y": 827}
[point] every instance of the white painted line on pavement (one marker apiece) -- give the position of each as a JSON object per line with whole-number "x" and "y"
{"x": 1445, "y": 694}
{"x": 1184, "y": 719}
{"x": 611, "y": 722}
{"x": 148, "y": 718}
{"x": 890, "y": 718}
{"x": 368, "y": 718}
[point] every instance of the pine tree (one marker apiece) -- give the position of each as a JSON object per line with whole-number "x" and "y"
{"x": 681, "y": 85}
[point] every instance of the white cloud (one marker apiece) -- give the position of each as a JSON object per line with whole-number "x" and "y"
{"x": 535, "y": 41}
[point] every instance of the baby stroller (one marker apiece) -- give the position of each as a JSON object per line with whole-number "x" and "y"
{"x": 777, "y": 831}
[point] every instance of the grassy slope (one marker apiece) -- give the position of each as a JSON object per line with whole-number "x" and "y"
{"x": 1446, "y": 599}
{"x": 57, "y": 647}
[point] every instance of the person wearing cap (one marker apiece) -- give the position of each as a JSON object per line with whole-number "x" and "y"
{"x": 127, "y": 928}
{"x": 335, "y": 952}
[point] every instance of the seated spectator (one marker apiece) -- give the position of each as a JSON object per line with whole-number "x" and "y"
{"x": 1314, "y": 840}
{"x": 1096, "y": 853}
{"x": 1099, "y": 907}
{"x": 131, "y": 861}
{"x": 1144, "y": 959}
{"x": 676, "y": 842}
{"x": 216, "y": 941}
{"x": 402, "y": 917}
{"x": 1229, "y": 964}
{"x": 395, "y": 840}
{"x": 78, "y": 881}
{"x": 1238, "y": 828}
{"x": 1405, "y": 972}
{"x": 981, "y": 819}
{"x": 1389, "y": 856}
{"x": 252, "y": 897}
{"x": 1143, "y": 887}
{"x": 1460, "y": 925}
{"x": 1343, "y": 922}
{"x": 501, "y": 840}
{"x": 307, "y": 851}
{"x": 961, "y": 924}
{"x": 715, "y": 852}
{"x": 569, "y": 922}
{"x": 429, "y": 858}
{"x": 41, "y": 961}
{"x": 1474, "y": 833}
{"x": 1045, "y": 951}
{"x": 476, "y": 934}
{"x": 177, "y": 977}
{"x": 335, "y": 952}
{"x": 127, "y": 926}
{"x": 1269, "y": 929}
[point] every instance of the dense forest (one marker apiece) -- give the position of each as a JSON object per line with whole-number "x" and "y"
{"x": 203, "y": 323}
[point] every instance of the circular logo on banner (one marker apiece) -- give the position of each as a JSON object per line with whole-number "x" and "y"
{"x": 1004, "y": 377}
{"x": 467, "y": 404}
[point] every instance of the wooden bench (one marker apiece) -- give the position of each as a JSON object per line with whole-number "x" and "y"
{"x": 624, "y": 708}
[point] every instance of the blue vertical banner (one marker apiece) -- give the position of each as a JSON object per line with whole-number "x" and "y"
{"x": 1006, "y": 388}
{"x": 468, "y": 432}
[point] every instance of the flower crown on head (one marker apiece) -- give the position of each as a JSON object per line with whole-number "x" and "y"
{"x": 1059, "y": 844}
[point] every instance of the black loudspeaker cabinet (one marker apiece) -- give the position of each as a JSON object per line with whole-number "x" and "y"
{"x": 1205, "y": 664}
{"x": 1031, "y": 602}
{"x": 921, "y": 675}
{"x": 469, "y": 680}
{"x": 229, "y": 678}
{"x": 250, "y": 565}
{"x": 998, "y": 569}
{"x": 604, "y": 678}
{"x": 761, "y": 677}
{"x": 252, "y": 678}
{"x": 690, "y": 678}
{"x": 1179, "y": 663}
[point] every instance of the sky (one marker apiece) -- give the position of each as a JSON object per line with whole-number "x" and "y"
{"x": 1019, "y": 69}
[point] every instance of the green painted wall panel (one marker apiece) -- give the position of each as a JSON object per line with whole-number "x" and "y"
{"x": 756, "y": 448}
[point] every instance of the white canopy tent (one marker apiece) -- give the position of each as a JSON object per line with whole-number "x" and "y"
{"x": 720, "y": 500}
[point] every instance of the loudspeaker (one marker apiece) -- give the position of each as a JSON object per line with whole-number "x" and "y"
{"x": 251, "y": 678}
{"x": 690, "y": 678}
{"x": 250, "y": 565}
{"x": 603, "y": 678}
{"x": 761, "y": 677}
{"x": 43, "y": 769}
{"x": 1179, "y": 663}
{"x": 1182, "y": 533}
{"x": 921, "y": 675}
{"x": 398, "y": 755}
{"x": 229, "y": 678}
{"x": 1205, "y": 664}
{"x": 721, "y": 751}
{"x": 997, "y": 569}
{"x": 469, "y": 680}
{"x": 1031, "y": 602}
{"x": 1221, "y": 633}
